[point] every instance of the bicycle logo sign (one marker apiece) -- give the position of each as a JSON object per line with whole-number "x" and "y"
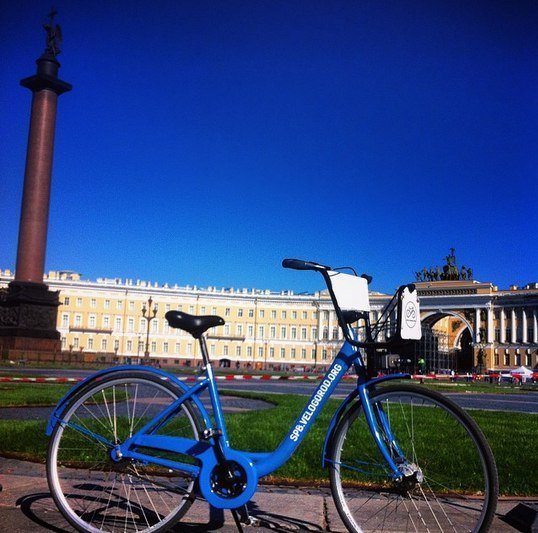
{"x": 410, "y": 314}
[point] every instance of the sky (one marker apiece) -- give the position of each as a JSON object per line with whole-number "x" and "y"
{"x": 204, "y": 141}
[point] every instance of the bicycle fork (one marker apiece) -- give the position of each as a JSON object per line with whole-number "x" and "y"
{"x": 386, "y": 443}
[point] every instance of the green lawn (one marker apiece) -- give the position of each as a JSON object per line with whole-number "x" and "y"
{"x": 512, "y": 436}
{"x": 26, "y": 394}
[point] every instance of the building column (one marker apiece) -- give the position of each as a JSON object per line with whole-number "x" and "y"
{"x": 477, "y": 325}
{"x": 490, "y": 335}
{"x": 524, "y": 325}
{"x": 503, "y": 326}
{"x": 513, "y": 326}
{"x": 534, "y": 326}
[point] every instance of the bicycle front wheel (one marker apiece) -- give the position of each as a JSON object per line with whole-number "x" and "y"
{"x": 449, "y": 482}
{"x": 95, "y": 493}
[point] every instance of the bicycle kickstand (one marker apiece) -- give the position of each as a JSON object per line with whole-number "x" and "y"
{"x": 241, "y": 516}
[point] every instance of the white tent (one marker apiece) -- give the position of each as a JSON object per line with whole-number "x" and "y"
{"x": 523, "y": 372}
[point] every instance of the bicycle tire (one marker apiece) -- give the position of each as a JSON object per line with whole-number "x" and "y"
{"x": 458, "y": 489}
{"x": 95, "y": 493}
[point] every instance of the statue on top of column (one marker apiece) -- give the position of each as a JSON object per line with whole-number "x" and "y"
{"x": 54, "y": 35}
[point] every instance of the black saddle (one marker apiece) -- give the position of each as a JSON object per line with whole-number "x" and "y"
{"x": 195, "y": 325}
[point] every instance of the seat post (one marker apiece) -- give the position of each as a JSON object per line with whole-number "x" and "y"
{"x": 203, "y": 348}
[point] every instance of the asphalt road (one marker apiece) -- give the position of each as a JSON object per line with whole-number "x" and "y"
{"x": 518, "y": 402}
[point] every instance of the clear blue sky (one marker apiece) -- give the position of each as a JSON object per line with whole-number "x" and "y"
{"x": 205, "y": 141}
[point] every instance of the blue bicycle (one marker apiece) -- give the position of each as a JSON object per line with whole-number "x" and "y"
{"x": 132, "y": 447}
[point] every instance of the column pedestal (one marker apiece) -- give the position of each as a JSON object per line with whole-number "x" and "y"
{"x": 28, "y": 314}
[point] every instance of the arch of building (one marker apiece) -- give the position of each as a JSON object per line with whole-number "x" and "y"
{"x": 430, "y": 318}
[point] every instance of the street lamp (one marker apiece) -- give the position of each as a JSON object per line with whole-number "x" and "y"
{"x": 149, "y": 314}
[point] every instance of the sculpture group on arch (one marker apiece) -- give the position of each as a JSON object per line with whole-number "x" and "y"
{"x": 449, "y": 272}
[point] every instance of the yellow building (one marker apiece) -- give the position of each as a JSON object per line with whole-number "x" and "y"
{"x": 103, "y": 320}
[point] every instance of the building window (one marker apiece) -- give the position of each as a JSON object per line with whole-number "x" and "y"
{"x": 293, "y": 353}
{"x": 240, "y": 313}
{"x": 303, "y": 353}
{"x": 507, "y": 358}
{"x": 117, "y": 324}
{"x": 79, "y": 302}
{"x": 227, "y": 312}
{"x": 294, "y": 315}
{"x": 119, "y": 304}
{"x": 261, "y": 332}
{"x": 92, "y": 320}
{"x": 273, "y": 313}
{"x": 305, "y": 315}
{"x": 165, "y": 347}
{"x": 64, "y": 343}
{"x": 93, "y": 303}
{"x": 189, "y": 348}
{"x": 107, "y": 304}
{"x": 78, "y": 320}
{"x": 104, "y": 345}
{"x": 250, "y": 331}
{"x": 262, "y": 313}
{"x": 282, "y": 353}
{"x": 106, "y": 321}
{"x": 284, "y": 314}
{"x": 153, "y": 346}
{"x": 249, "y": 351}
{"x": 131, "y": 306}
{"x": 225, "y": 350}
{"x": 260, "y": 352}
{"x": 76, "y": 343}
{"x": 251, "y": 313}
{"x": 239, "y": 329}
{"x": 65, "y": 320}
{"x": 303, "y": 334}
{"x": 131, "y": 325}
{"x": 294, "y": 332}
{"x": 272, "y": 353}
{"x": 283, "y": 332}
{"x": 272, "y": 332}
{"x": 129, "y": 346}
{"x": 314, "y": 334}
{"x": 238, "y": 351}
{"x": 66, "y": 300}
{"x": 116, "y": 345}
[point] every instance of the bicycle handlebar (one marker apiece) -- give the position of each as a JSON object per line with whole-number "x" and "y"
{"x": 299, "y": 264}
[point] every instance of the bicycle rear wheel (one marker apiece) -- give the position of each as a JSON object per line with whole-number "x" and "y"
{"x": 95, "y": 493}
{"x": 451, "y": 482}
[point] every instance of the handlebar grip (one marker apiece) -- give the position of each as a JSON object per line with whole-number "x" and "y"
{"x": 299, "y": 264}
{"x": 367, "y": 277}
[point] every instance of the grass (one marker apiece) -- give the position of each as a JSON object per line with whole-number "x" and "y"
{"x": 512, "y": 436}
{"x": 31, "y": 394}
